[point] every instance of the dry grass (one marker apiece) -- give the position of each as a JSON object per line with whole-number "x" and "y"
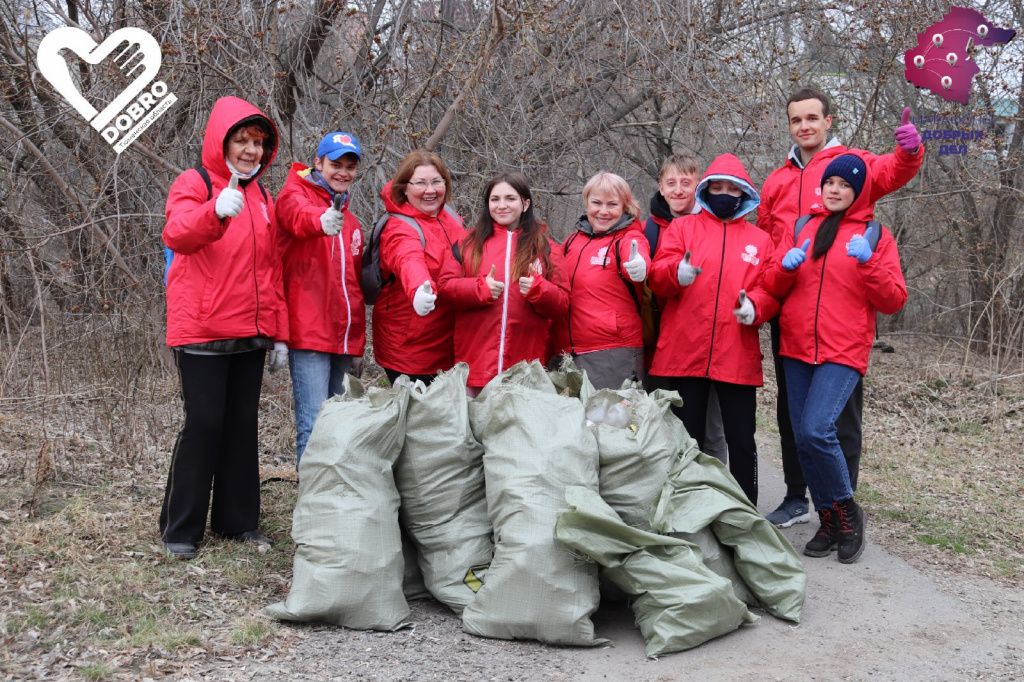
{"x": 87, "y": 593}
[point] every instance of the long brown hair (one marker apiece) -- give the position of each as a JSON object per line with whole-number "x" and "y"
{"x": 532, "y": 243}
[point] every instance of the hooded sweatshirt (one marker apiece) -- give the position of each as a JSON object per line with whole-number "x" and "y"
{"x": 829, "y": 304}
{"x": 603, "y": 313}
{"x": 321, "y": 273}
{"x": 699, "y": 335}
{"x": 491, "y": 335}
{"x": 792, "y": 189}
{"x": 402, "y": 340}
{"x": 225, "y": 280}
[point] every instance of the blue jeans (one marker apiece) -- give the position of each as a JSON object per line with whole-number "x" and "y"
{"x": 817, "y": 394}
{"x": 315, "y": 377}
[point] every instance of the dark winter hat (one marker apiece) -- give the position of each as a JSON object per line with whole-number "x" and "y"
{"x": 849, "y": 167}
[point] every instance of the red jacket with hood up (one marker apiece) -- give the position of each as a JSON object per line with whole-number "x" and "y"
{"x": 602, "y": 313}
{"x": 225, "y": 280}
{"x": 491, "y": 335}
{"x": 699, "y": 335}
{"x": 321, "y": 274}
{"x": 829, "y": 304}
{"x": 402, "y": 340}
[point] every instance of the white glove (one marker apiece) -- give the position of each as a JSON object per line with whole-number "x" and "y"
{"x": 686, "y": 273}
{"x": 229, "y": 201}
{"x": 279, "y": 356}
{"x": 525, "y": 284}
{"x": 745, "y": 313}
{"x": 331, "y": 222}
{"x": 424, "y": 299}
{"x": 636, "y": 266}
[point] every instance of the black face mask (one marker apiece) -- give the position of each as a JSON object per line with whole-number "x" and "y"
{"x": 724, "y": 206}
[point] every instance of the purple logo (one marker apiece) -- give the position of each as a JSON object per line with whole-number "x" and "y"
{"x": 942, "y": 62}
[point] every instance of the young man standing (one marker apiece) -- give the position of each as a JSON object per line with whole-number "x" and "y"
{"x": 788, "y": 193}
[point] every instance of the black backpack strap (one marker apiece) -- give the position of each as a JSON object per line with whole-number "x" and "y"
{"x": 263, "y": 191}
{"x": 457, "y": 253}
{"x": 567, "y": 242}
{"x": 653, "y": 233}
{"x": 199, "y": 168}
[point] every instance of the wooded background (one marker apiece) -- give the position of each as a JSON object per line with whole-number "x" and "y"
{"x": 558, "y": 90}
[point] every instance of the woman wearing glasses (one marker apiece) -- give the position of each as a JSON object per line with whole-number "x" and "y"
{"x": 413, "y": 329}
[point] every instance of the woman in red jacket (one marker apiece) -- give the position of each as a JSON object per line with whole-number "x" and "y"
{"x": 322, "y": 256}
{"x": 606, "y": 259}
{"x": 704, "y": 262}
{"x": 504, "y": 282}
{"x": 224, "y": 312}
{"x": 827, "y": 326}
{"x": 413, "y": 328}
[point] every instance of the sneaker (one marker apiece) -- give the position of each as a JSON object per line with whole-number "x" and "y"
{"x": 852, "y": 522}
{"x": 827, "y": 537}
{"x": 185, "y": 551}
{"x": 792, "y": 510}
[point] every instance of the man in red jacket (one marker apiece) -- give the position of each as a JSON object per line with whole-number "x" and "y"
{"x": 788, "y": 193}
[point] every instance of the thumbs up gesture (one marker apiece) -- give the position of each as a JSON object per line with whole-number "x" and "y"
{"x": 424, "y": 299}
{"x": 745, "y": 312}
{"x": 332, "y": 219}
{"x": 229, "y": 201}
{"x": 495, "y": 286}
{"x": 686, "y": 273}
{"x": 795, "y": 257}
{"x": 636, "y": 266}
{"x": 859, "y": 247}
{"x": 907, "y": 136}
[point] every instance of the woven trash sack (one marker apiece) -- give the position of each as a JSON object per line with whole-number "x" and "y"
{"x": 535, "y": 446}
{"x": 348, "y": 565}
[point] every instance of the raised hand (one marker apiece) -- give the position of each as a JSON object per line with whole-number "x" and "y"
{"x": 686, "y": 273}
{"x": 332, "y": 219}
{"x": 859, "y": 247}
{"x": 424, "y": 299}
{"x": 907, "y": 137}
{"x": 495, "y": 286}
{"x": 795, "y": 257}
{"x": 745, "y": 313}
{"x": 229, "y": 201}
{"x": 636, "y": 266}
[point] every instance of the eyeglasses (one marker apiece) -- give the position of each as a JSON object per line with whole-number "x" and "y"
{"x": 436, "y": 183}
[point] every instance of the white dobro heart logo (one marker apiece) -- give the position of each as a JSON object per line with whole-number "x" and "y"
{"x": 139, "y": 55}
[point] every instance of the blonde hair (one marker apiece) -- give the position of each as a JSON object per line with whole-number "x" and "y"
{"x": 687, "y": 165}
{"x": 615, "y": 185}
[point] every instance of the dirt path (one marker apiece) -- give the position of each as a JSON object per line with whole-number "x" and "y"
{"x": 877, "y": 619}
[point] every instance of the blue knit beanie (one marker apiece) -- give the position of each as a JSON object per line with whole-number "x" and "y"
{"x": 849, "y": 167}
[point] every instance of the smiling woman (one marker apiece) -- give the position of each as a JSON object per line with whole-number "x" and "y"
{"x": 606, "y": 260}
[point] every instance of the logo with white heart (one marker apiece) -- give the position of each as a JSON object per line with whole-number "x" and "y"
{"x": 136, "y": 53}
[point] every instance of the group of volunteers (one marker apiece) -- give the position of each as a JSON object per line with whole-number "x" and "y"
{"x": 674, "y": 302}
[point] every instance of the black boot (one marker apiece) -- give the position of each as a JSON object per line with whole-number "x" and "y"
{"x": 825, "y": 540}
{"x": 852, "y": 522}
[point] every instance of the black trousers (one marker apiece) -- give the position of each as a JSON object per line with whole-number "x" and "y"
{"x": 739, "y": 421}
{"x": 216, "y": 450}
{"x": 425, "y": 378}
{"x": 848, "y": 428}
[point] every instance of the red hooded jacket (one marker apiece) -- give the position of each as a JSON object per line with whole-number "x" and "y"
{"x": 791, "y": 190}
{"x": 699, "y": 335}
{"x": 602, "y": 313}
{"x": 225, "y": 280}
{"x": 321, "y": 273}
{"x": 402, "y": 340}
{"x": 829, "y": 304}
{"x": 492, "y": 335}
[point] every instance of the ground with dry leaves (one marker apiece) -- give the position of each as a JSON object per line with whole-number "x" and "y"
{"x": 86, "y": 592}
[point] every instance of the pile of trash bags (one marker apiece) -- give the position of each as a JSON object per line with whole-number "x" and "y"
{"x": 514, "y": 502}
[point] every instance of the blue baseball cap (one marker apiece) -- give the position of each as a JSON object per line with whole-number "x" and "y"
{"x": 337, "y": 144}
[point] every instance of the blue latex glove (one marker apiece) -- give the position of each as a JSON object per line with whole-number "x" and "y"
{"x": 860, "y": 247}
{"x": 796, "y": 256}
